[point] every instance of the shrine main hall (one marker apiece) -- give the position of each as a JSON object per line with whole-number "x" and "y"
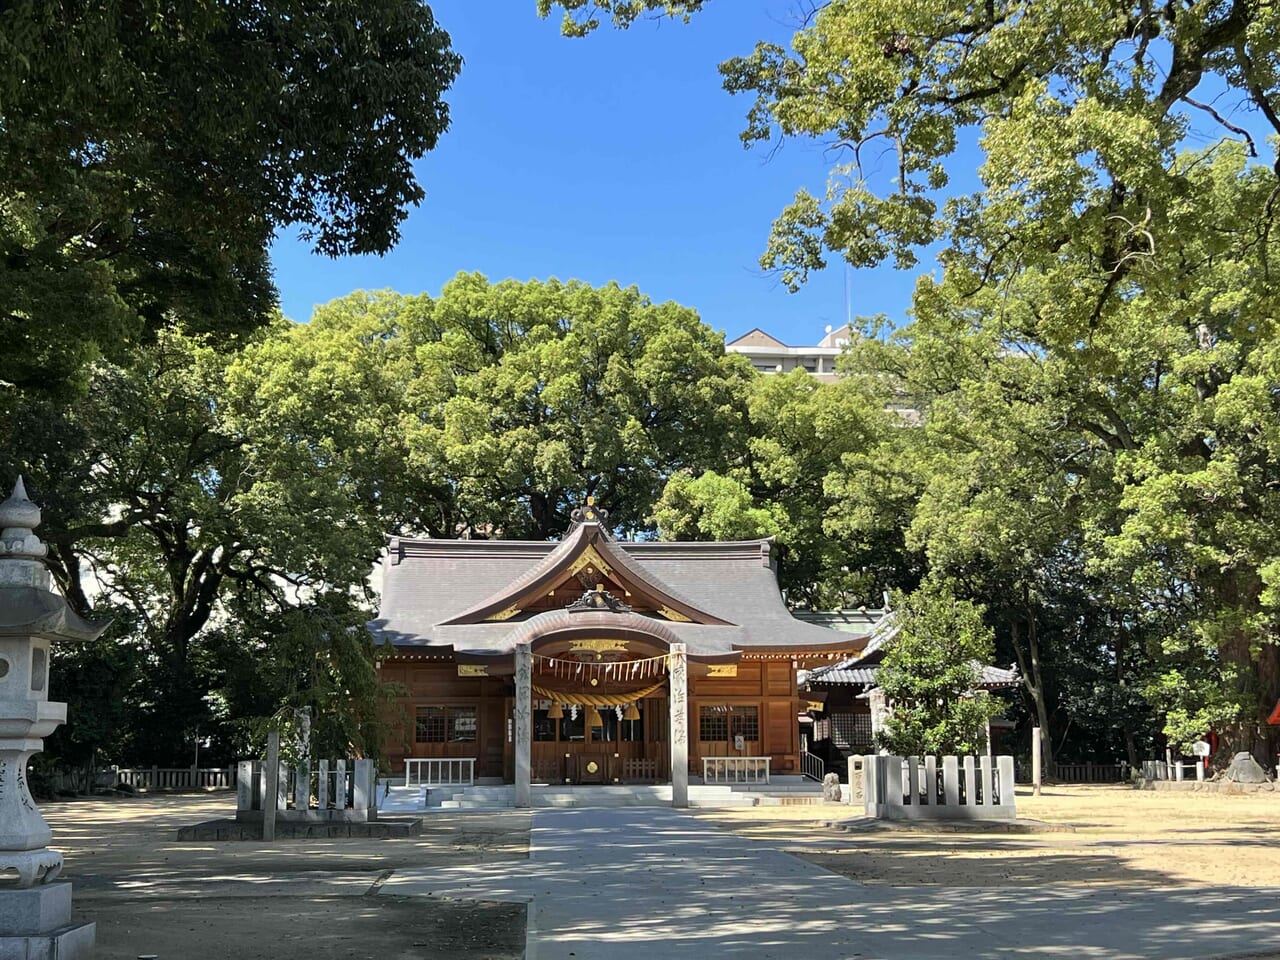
{"x": 593, "y": 660}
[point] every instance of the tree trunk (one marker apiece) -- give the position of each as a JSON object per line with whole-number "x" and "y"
{"x": 1257, "y": 674}
{"x": 1032, "y": 681}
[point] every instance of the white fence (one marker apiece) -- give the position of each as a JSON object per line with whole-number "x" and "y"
{"x": 342, "y": 790}
{"x": 1173, "y": 770}
{"x": 432, "y": 771}
{"x": 960, "y": 788}
{"x": 735, "y": 769}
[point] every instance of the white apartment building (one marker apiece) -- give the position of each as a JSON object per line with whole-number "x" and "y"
{"x": 768, "y": 354}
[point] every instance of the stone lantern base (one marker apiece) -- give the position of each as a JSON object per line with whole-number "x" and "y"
{"x": 35, "y": 924}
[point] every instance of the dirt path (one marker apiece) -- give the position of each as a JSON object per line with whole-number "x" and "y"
{"x": 289, "y": 900}
{"x": 1122, "y": 836}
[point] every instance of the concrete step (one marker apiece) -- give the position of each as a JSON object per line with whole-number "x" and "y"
{"x": 401, "y": 800}
{"x": 501, "y": 798}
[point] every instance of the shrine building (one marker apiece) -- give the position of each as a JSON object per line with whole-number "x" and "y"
{"x": 594, "y": 660}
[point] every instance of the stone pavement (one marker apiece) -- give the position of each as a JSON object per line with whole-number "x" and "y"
{"x": 613, "y": 884}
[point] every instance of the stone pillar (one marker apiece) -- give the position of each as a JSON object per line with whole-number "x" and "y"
{"x": 879, "y": 713}
{"x": 524, "y": 724}
{"x": 271, "y": 791}
{"x": 35, "y": 915}
{"x": 1035, "y": 761}
{"x": 678, "y": 670}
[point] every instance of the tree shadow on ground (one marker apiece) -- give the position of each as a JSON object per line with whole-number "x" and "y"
{"x": 621, "y": 884}
{"x": 332, "y": 928}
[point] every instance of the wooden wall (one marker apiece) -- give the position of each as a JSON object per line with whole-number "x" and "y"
{"x": 437, "y": 682}
{"x": 769, "y": 685}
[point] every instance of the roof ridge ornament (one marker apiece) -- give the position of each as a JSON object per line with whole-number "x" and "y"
{"x": 590, "y": 513}
{"x": 599, "y": 599}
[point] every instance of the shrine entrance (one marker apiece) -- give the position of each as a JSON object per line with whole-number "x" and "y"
{"x": 600, "y": 716}
{"x": 599, "y": 711}
{"x": 622, "y": 745}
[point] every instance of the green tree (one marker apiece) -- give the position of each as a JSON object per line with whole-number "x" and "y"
{"x": 1134, "y": 271}
{"x": 151, "y": 151}
{"x": 533, "y": 395}
{"x": 930, "y": 674}
{"x": 799, "y": 430}
{"x": 215, "y": 494}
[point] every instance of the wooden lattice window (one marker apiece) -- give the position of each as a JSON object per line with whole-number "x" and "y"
{"x": 744, "y": 722}
{"x": 721, "y": 723}
{"x": 445, "y": 724}
{"x": 713, "y": 724}
{"x": 851, "y": 729}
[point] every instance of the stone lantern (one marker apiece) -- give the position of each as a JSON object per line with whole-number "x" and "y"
{"x": 35, "y": 913}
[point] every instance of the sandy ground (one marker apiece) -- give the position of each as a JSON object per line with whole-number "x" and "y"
{"x": 301, "y": 900}
{"x": 289, "y": 900}
{"x": 1120, "y": 836}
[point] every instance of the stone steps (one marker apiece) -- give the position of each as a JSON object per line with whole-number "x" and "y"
{"x": 394, "y": 797}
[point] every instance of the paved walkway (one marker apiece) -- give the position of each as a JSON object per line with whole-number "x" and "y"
{"x": 652, "y": 883}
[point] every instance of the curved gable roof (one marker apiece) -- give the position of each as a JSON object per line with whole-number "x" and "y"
{"x": 585, "y": 545}
{"x": 443, "y": 594}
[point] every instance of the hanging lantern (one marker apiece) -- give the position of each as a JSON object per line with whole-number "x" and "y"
{"x": 591, "y": 717}
{"x": 632, "y": 712}
{"x": 556, "y": 711}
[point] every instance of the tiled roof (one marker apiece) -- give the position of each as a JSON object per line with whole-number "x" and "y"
{"x": 428, "y": 583}
{"x": 847, "y": 672}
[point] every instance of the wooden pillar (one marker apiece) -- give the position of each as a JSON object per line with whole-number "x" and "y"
{"x": 524, "y": 723}
{"x": 678, "y": 670}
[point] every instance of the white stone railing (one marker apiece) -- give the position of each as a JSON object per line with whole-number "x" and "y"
{"x": 342, "y": 791}
{"x": 439, "y": 771}
{"x": 960, "y": 788}
{"x": 735, "y": 769}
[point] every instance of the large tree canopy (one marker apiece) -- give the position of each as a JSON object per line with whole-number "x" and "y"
{"x": 151, "y": 150}
{"x": 230, "y": 504}
{"x": 533, "y": 395}
{"x": 1119, "y": 247}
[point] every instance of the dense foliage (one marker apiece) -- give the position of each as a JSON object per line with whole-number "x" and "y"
{"x": 1078, "y": 431}
{"x": 227, "y": 506}
{"x": 930, "y": 675}
{"x": 151, "y": 150}
{"x": 1097, "y": 364}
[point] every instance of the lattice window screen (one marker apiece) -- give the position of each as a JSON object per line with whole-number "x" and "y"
{"x": 851, "y": 729}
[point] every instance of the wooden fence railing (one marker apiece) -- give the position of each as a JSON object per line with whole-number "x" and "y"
{"x": 145, "y": 778}
{"x": 1090, "y": 772}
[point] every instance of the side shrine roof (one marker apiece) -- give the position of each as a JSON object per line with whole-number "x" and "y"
{"x": 467, "y": 596}
{"x": 860, "y": 670}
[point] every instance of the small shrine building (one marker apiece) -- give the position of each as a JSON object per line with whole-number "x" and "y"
{"x": 594, "y": 660}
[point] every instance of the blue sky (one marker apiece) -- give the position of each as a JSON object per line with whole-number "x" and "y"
{"x": 611, "y": 158}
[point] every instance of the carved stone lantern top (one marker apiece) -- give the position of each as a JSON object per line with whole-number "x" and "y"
{"x": 28, "y": 605}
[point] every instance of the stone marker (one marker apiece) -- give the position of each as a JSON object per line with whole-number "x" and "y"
{"x": 1245, "y": 769}
{"x": 35, "y": 913}
{"x": 831, "y": 788}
